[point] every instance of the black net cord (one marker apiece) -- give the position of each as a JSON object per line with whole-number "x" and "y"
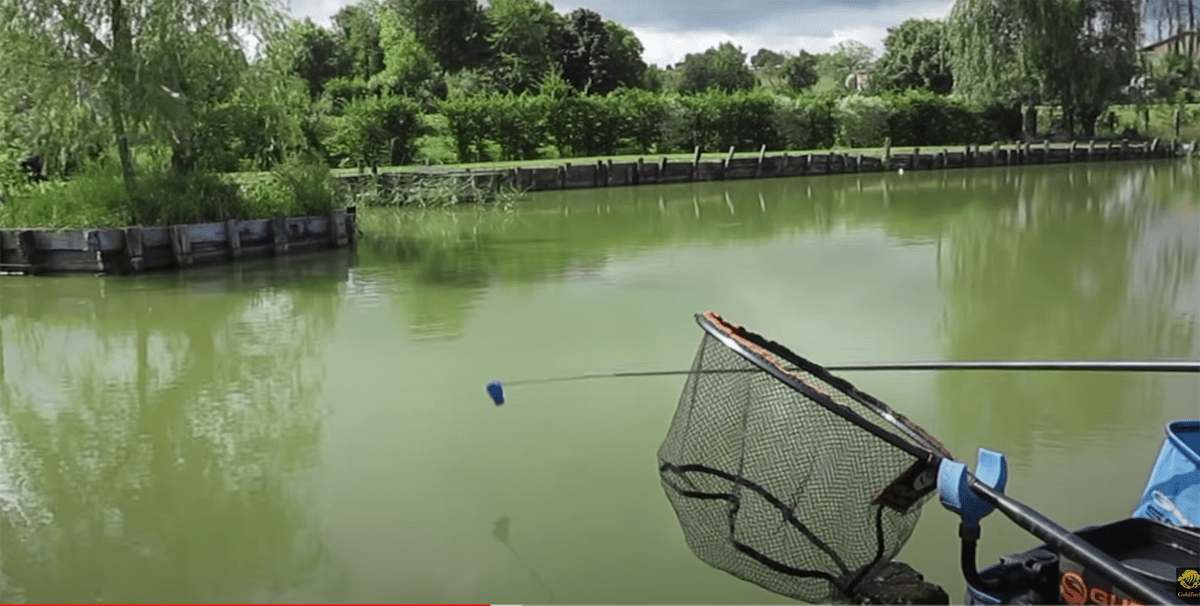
{"x": 784, "y": 510}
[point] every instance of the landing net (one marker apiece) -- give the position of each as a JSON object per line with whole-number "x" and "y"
{"x": 786, "y": 476}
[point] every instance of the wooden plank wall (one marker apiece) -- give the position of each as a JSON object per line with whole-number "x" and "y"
{"x": 137, "y": 249}
{"x": 644, "y": 172}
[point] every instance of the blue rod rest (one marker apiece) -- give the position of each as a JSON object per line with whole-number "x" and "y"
{"x": 957, "y": 496}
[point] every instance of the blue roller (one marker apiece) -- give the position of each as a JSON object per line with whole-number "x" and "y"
{"x": 496, "y": 392}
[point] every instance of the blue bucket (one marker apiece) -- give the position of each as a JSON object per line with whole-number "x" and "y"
{"x": 1173, "y": 493}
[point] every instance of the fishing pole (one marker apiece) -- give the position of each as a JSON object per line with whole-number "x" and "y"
{"x": 496, "y": 390}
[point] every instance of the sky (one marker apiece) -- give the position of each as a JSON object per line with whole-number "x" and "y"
{"x": 670, "y": 30}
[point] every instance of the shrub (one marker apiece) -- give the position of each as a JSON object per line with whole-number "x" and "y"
{"x": 805, "y": 122}
{"x": 643, "y": 118}
{"x": 467, "y": 116}
{"x": 374, "y": 130}
{"x": 921, "y": 117}
{"x": 582, "y": 125}
{"x": 862, "y": 121}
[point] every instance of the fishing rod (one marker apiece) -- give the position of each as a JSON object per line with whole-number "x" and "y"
{"x": 496, "y": 390}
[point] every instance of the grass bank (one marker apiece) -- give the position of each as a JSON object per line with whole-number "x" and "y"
{"x": 97, "y": 197}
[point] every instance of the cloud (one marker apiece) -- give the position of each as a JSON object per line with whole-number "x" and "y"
{"x": 670, "y": 30}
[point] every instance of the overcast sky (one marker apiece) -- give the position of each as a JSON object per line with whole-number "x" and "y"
{"x": 670, "y": 30}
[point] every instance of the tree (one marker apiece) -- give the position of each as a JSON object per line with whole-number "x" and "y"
{"x": 408, "y": 67}
{"x": 625, "y": 64}
{"x": 766, "y": 59}
{"x": 454, "y": 31}
{"x": 315, "y": 54}
{"x": 722, "y": 67}
{"x": 521, "y": 39}
{"x": 914, "y": 56}
{"x": 1076, "y": 52}
{"x": 583, "y": 47}
{"x": 358, "y": 26}
{"x": 847, "y": 57}
{"x": 800, "y": 71}
{"x": 134, "y": 62}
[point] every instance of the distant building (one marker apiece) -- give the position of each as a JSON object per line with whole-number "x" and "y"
{"x": 1181, "y": 43}
{"x": 857, "y": 81}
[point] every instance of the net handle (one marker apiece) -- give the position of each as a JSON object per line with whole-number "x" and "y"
{"x": 823, "y": 399}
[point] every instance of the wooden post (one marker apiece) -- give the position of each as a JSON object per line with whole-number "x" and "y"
{"x": 1150, "y": 151}
{"x": 562, "y": 175}
{"x": 1074, "y": 147}
{"x": 1124, "y": 148}
{"x": 887, "y": 153}
{"x": 728, "y": 159}
{"x": 1045, "y": 151}
{"x": 1091, "y": 154}
{"x": 181, "y": 247}
{"x": 278, "y": 229}
{"x": 337, "y": 228}
{"x": 27, "y": 242}
{"x": 967, "y": 159}
{"x": 608, "y": 173}
{"x": 916, "y": 158}
{"x": 134, "y": 245}
{"x": 233, "y": 239}
{"x": 351, "y": 224}
{"x": 1178, "y": 122}
{"x": 598, "y": 176}
{"x": 858, "y": 164}
{"x": 662, "y": 168}
{"x": 637, "y": 173}
{"x": 762, "y": 154}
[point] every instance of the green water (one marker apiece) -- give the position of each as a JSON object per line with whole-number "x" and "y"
{"x": 316, "y": 428}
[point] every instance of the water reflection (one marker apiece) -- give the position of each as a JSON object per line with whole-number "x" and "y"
{"x": 449, "y": 258}
{"x": 152, "y": 430}
{"x": 1106, "y": 269}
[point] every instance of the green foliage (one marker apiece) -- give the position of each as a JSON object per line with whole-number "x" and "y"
{"x": 522, "y": 33}
{"x": 722, "y": 67}
{"x": 800, "y": 71}
{"x": 340, "y": 91}
{"x": 921, "y": 117}
{"x": 644, "y": 115}
{"x": 300, "y": 185}
{"x": 357, "y": 26}
{"x": 717, "y": 120}
{"x": 766, "y": 59}
{"x": 625, "y": 64}
{"x": 314, "y": 54}
{"x": 915, "y": 56}
{"x": 583, "y": 46}
{"x": 585, "y": 125}
{"x": 145, "y": 74}
{"x": 454, "y": 31}
{"x": 96, "y": 197}
{"x": 847, "y": 57}
{"x": 409, "y": 69}
{"x": 518, "y": 124}
{"x": 862, "y": 121}
{"x": 469, "y": 128}
{"x": 806, "y": 122}
{"x": 376, "y": 130}
{"x": 1079, "y": 54}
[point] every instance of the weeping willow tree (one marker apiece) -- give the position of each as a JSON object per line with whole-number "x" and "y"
{"x": 126, "y": 69}
{"x": 1076, "y": 53}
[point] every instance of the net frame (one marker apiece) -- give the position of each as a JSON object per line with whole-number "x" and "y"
{"x": 815, "y": 384}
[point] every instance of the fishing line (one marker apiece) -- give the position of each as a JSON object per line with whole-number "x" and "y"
{"x": 495, "y": 389}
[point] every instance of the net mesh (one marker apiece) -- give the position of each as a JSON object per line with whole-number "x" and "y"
{"x": 771, "y": 485}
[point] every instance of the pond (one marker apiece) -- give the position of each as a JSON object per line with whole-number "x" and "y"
{"x": 316, "y": 428}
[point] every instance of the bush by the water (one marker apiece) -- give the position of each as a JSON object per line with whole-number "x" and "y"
{"x": 97, "y": 197}
{"x": 570, "y": 124}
